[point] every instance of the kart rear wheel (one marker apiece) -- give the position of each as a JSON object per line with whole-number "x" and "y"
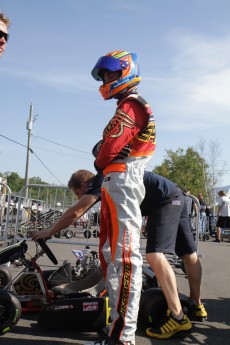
{"x": 87, "y": 233}
{"x": 153, "y": 306}
{"x": 10, "y": 311}
{"x": 68, "y": 234}
{"x": 95, "y": 233}
{"x": 188, "y": 306}
{"x": 5, "y": 276}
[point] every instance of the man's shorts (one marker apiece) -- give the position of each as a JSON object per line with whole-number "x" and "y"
{"x": 223, "y": 222}
{"x": 168, "y": 228}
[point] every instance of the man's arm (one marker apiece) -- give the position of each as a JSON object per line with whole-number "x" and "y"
{"x": 68, "y": 217}
{"x": 196, "y": 209}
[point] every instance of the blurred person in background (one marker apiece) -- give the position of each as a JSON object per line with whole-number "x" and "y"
{"x": 223, "y": 214}
{"x": 203, "y": 214}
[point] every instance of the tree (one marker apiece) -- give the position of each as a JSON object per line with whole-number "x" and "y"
{"x": 49, "y": 195}
{"x": 186, "y": 168}
{"x": 216, "y": 167}
{"x": 36, "y": 180}
{"x": 14, "y": 181}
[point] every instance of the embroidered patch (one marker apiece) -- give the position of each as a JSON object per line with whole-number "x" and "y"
{"x": 176, "y": 202}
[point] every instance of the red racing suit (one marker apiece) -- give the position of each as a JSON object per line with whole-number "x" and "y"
{"x": 133, "y": 123}
{"x": 120, "y": 225}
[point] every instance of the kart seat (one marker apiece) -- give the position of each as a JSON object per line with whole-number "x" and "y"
{"x": 93, "y": 284}
{"x": 61, "y": 276}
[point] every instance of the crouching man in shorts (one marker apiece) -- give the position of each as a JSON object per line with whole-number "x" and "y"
{"x": 169, "y": 232}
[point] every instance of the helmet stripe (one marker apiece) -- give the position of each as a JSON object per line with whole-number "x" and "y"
{"x": 117, "y": 56}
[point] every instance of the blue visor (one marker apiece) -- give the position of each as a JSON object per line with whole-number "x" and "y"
{"x": 106, "y": 62}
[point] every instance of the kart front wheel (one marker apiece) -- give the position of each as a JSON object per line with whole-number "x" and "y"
{"x": 10, "y": 311}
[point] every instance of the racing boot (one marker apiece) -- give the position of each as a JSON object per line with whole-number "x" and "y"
{"x": 169, "y": 327}
{"x": 201, "y": 313}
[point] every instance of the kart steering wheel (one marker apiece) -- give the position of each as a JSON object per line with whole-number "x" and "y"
{"x": 47, "y": 250}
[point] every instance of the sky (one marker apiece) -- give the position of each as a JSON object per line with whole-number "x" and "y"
{"x": 183, "y": 49}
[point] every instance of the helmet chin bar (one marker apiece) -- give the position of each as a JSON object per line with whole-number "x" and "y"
{"x": 116, "y": 88}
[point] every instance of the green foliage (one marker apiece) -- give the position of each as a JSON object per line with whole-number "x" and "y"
{"x": 16, "y": 183}
{"x": 186, "y": 168}
{"x": 36, "y": 180}
{"x": 49, "y": 195}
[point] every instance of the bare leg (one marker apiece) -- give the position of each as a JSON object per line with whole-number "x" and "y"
{"x": 167, "y": 280}
{"x": 194, "y": 273}
{"x": 218, "y": 234}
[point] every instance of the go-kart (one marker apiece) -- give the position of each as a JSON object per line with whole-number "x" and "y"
{"x": 72, "y": 296}
{"x": 68, "y": 294}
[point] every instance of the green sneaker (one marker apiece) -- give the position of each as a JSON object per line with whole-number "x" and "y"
{"x": 200, "y": 313}
{"x": 169, "y": 327}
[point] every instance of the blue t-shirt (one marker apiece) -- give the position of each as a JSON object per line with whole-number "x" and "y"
{"x": 157, "y": 190}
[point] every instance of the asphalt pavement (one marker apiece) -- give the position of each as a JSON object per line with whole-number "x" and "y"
{"x": 215, "y": 295}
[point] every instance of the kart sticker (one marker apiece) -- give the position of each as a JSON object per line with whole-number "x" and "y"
{"x": 79, "y": 254}
{"x": 60, "y": 307}
{"x": 90, "y": 306}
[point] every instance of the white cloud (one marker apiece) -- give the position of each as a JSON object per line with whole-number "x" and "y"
{"x": 213, "y": 89}
{"x": 196, "y": 91}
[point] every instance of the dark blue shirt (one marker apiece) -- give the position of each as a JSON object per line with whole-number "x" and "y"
{"x": 94, "y": 186}
{"x": 157, "y": 188}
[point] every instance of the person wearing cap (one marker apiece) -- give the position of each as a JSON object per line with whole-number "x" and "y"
{"x": 4, "y": 35}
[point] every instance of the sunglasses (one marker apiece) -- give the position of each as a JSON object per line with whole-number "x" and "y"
{"x": 4, "y": 35}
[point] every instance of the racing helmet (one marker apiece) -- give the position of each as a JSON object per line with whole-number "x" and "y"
{"x": 118, "y": 60}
